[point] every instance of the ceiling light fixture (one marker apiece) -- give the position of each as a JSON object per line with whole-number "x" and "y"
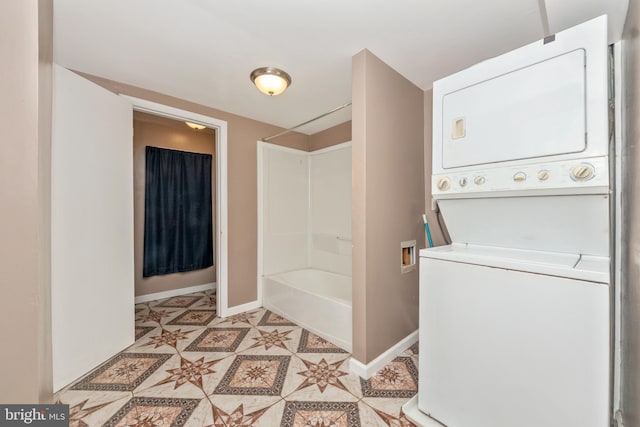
{"x": 194, "y": 126}
{"x": 270, "y": 81}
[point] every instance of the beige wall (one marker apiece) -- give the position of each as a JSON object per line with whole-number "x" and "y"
{"x": 154, "y": 131}
{"x": 388, "y": 202}
{"x": 332, "y": 136}
{"x": 242, "y": 134}
{"x": 631, "y": 225}
{"x": 25, "y": 117}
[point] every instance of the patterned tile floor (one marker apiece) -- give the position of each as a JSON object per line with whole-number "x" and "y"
{"x": 189, "y": 367}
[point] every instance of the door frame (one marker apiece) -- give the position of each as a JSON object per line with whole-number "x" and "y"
{"x": 220, "y": 126}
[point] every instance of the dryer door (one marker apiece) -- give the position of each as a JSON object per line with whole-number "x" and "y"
{"x": 536, "y": 111}
{"x": 546, "y": 101}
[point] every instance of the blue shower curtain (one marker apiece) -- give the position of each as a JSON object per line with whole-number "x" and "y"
{"x": 177, "y": 212}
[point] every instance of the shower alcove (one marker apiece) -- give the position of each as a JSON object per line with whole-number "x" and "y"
{"x": 304, "y": 237}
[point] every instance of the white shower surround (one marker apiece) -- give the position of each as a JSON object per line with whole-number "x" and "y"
{"x": 304, "y": 237}
{"x": 316, "y": 300}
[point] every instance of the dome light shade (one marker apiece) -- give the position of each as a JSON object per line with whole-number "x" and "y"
{"x": 195, "y": 126}
{"x": 270, "y": 81}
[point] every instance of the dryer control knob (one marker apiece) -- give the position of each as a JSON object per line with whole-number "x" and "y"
{"x": 520, "y": 177}
{"x": 479, "y": 180}
{"x": 582, "y": 172}
{"x": 444, "y": 184}
{"x": 543, "y": 175}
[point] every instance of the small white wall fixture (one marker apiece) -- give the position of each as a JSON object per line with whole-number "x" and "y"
{"x": 220, "y": 127}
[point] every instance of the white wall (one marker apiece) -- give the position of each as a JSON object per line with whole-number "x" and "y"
{"x": 330, "y": 209}
{"x": 91, "y": 226}
{"x": 285, "y": 194}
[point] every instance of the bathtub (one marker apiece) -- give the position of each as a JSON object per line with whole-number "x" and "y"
{"x": 314, "y": 299}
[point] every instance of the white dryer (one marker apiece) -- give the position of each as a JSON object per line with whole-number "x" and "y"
{"x": 514, "y": 314}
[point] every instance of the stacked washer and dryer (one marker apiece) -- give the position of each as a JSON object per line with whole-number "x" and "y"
{"x": 515, "y": 312}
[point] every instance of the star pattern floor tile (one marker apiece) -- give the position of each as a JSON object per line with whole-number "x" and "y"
{"x": 149, "y": 411}
{"x": 156, "y": 317}
{"x": 259, "y": 375}
{"x": 241, "y": 411}
{"x": 414, "y": 348}
{"x": 124, "y": 372}
{"x": 387, "y": 414}
{"x": 92, "y": 408}
{"x": 194, "y": 318}
{"x": 311, "y": 343}
{"x": 142, "y": 331}
{"x": 321, "y": 377}
{"x": 218, "y": 339}
{"x": 272, "y": 319}
{"x": 180, "y": 302}
{"x": 190, "y": 368}
{"x": 338, "y": 414}
{"x": 397, "y": 379}
{"x": 241, "y": 319}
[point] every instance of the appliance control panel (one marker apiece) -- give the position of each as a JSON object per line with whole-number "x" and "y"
{"x": 590, "y": 175}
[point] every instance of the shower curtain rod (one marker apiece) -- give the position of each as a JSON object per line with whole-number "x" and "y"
{"x": 286, "y": 131}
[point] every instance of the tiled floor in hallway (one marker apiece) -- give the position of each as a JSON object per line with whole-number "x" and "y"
{"x": 189, "y": 367}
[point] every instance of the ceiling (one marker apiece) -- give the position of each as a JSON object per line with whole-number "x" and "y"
{"x": 204, "y": 50}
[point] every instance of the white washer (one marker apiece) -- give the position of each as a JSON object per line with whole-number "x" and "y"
{"x": 514, "y": 315}
{"x": 514, "y": 338}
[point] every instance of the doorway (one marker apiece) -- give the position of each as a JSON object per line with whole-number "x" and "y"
{"x": 219, "y": 128}
{"x": 173, "y": 274}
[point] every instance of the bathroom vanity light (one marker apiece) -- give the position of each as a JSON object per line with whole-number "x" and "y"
{"x": 195, "y": 126}
{"x": 270, "y": 81}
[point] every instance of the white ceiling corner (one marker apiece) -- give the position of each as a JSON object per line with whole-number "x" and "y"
{"x": 564, "y": 14}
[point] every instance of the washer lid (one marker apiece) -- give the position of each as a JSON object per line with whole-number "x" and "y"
{"x": 559, "y": 224}
{"x": 573, "y": 266}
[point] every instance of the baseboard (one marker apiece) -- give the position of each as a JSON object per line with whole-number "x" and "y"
{"x": 368, "y": 370}
{"x": 174, "y": 293}
{"x": 242, "y": 308}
